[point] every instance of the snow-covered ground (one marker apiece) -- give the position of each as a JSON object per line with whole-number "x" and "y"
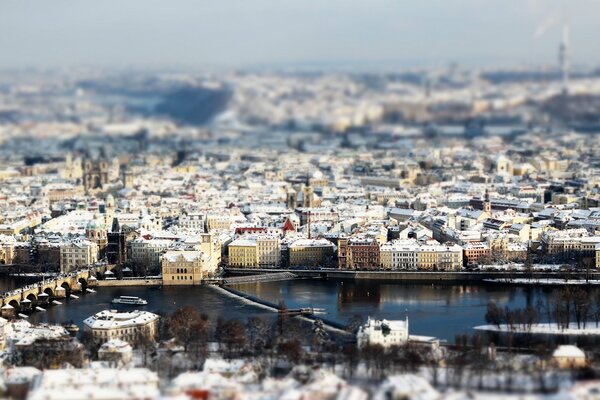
{"x": 547, "y": 281}
{"x": 521, "y": 267}
{"x": 591, "y": 329}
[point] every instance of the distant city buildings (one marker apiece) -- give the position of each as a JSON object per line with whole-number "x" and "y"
{"x": 340, "y": 176}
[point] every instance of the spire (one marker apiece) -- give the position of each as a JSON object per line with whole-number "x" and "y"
{"x": 115, "y": 225}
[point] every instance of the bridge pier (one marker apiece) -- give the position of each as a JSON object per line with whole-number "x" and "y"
{"x": 60, "y": 292}
{"x": 43, "y": 298}
{"x": 8, "y": 311}
{"x": 25, "y": 304}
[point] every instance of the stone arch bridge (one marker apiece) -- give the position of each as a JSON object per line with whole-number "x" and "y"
{"x": 45, "y": 291}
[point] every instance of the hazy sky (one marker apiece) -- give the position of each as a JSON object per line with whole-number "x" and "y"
{"x": 242, "y": 33}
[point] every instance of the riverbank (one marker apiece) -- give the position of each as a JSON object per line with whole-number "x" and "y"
{"x": 130, "y": 282}
{"x": 422, "y": 276}
{"x": 591, "y": 329}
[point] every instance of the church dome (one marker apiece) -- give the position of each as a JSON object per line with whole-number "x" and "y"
{"x": 95, "y": 225}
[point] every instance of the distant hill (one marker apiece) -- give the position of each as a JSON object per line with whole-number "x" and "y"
{"x": 193, "y": 105}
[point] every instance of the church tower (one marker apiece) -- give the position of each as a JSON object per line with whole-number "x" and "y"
{"x": 487, "y": 204}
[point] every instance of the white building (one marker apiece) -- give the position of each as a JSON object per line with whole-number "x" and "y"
{"x": 410, "y": 254}
{"x": 91, "y": 383}
{"x": 193, "y": 221}
{"x": 382, "y": 332}
{"x": 116, "y": 352}
{"x": 147, "y": 251}
{"x": 128, "y": 326}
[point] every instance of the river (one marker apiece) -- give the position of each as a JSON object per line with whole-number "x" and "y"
{"x": 441, "y": 310}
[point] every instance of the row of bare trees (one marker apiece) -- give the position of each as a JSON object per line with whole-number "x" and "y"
{"x": 570, "y": 304}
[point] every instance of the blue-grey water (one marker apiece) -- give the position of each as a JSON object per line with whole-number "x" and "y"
{"x": 439, "y": 310}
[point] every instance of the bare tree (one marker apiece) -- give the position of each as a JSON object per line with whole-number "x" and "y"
{"x": 146, "y": 344}
{"x": 291, "y": 350}
{"x": 189, "y": 328}
{"x": 494, "y": 315}
{"x": 259, "y": 334}
{"x": 232, "y": 335}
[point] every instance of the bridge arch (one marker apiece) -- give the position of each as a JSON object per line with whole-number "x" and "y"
{"x": 82, "y": 281}
{"x": 31, "y": 297}
{"x": 66, "y": 286}
{"x": 49, "y": 291}
{"x": 14, "y": 303}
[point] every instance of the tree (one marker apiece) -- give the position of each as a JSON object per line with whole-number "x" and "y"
{"x": 433, "y": 360}
{"x": 291, "y": 350}
{"x": 232, "y": 335}
{"x": 597, "y": 307}
{"x": 282, "y": 317}
{"x": 581, "y": 306}
{"x": 190, "y": 329}
{"x": 320, "y": 336}
{"x": 414, "y": 358}
{"x": 146, "y": 344}
{"x": 354, "y": 323}
{"x": 372, "y": 354}
{"x": 494, "y": 315}
{"x": 259, "y": 334}
{"x": 351, "y": 358}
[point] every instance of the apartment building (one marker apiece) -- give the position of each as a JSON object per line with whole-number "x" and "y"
{"x": 77, "y": 253}
{"x": 311, "y": 252}
{"x": 412, "y": 255}
{"x": 255, "y": 251}
{"x": 147, "y": 251}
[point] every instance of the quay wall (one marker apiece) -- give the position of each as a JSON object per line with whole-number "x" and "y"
{"x": 417, "y": 276}
{"x": 131, "y": 282}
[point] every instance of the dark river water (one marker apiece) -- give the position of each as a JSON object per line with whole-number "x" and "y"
{"x": 433, "y": 309}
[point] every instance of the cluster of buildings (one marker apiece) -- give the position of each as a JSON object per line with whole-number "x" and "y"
{"x": 303, "y": 171}
{"x": 441, "y": 208}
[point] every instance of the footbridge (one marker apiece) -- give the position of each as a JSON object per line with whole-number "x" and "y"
{"x": 45, "y": 291}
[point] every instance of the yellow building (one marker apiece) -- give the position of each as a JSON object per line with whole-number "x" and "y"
{"x": 183, "y": 267}
{"x": 218, "y": 222}
{"x": 310, "y": 252}
{"x": 243, "y": 253}
{"x": 255, "y": 251}
{"x": 268, "y": 251}
{"x": 7, "y": 249}
{"x": 211, "y": 248}
{"x": 439, "y": 257}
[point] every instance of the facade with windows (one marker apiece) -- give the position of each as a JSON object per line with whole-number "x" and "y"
{"x": 77, "y": 254}
{"x": 128, "y": 326}
{"x": 183, "y": 267}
